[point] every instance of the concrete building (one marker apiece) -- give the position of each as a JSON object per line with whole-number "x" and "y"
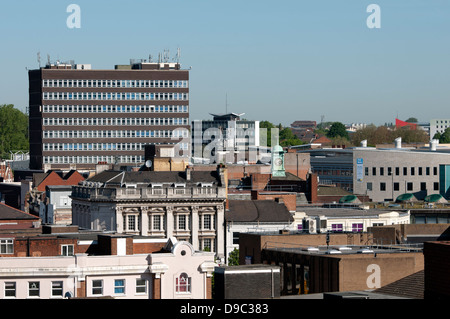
{"x": 188, "y": 205}
{"x": 225, "y": 139}
{"x": 438, "y": 126}
{"x": 383, "y": 174}
{"x": 316, "y": 219}
{"x": 57, "y": 206}
{"x": 80, "y": 116}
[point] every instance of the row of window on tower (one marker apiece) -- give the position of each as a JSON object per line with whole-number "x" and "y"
{"x": 115, "y": 83}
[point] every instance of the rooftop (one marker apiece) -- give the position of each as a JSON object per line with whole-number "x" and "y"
{"x": 10, "y": 213}
{"x": 118, "y": 178}
{"x": 342, "y": 250}
{"x": 257, "y": 211}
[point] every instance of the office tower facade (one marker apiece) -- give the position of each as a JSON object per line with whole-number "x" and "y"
{"x": 79, "y": 117}
{"x": 226, "y": 138}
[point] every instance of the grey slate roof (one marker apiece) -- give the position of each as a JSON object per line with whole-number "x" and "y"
{"x": 411, "y": 286}
{"x": 257, "y": 211}
{"x": 10, "y": 213}
{"x": 117, "y": 177}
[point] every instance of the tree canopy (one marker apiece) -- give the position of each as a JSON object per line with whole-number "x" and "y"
{"x": 337, "y": 129}
{"x": 13, "y": 130}
{"x": 382, "y": 134}
{"x": 285, "y": 134}
{"x": 443, "y": 137}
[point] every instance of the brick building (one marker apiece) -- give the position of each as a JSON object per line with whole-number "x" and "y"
{"x": 49, "y": 198}
{"x": 14, "y": 219}
{"x": 306, "y": 270}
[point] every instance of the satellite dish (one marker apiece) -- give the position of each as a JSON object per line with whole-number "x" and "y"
{"x": 148, "y": 163}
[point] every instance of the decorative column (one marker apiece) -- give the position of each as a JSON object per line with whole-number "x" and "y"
{"x": 169, "y": 221}
{"x": 157, "y": 269}
{"x": 144, "y": 221}
{"x": 194, "y": 227}
{"x": 119, "y": 219}
{"x": 220, "y": 232}
{"x": 208, "y": 269}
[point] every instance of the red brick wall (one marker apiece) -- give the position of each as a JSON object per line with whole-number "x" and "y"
{"x": 54, "y": 179}
{"x": 147, "y": 248}
{"x": 34, "y": 246}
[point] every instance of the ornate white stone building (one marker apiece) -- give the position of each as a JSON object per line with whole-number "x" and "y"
{"x": 187, "y": 205}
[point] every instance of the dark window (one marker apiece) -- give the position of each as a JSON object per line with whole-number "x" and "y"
{"x": 381, "y": 171}
{"x": 427, "y": 170}
{"x": 397, "y": 171}
{"x": 420, "y": 170}
{"x": 423, "y": 186}
{"x": 382, "y": 186}
{"x": 396, "y": 186}
{"x": 369, "y": 186}
{"x": 374, "y": 171}
{"x": 405, "y": 171}
{"x": 435, "y": 171}
{"x": 436, "y": 186}
{"x": 409, "y": 186}
{"x": 413, "y": 171}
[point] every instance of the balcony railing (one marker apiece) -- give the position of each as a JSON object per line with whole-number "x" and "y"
{"x": 147, "y": 192}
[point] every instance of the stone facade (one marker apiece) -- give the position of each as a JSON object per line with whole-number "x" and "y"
{"x": 186, "y": 205}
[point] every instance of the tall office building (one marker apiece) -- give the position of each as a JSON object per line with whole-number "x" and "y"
{"x": 225, "y": 134}
{"x": 79, "y": 117}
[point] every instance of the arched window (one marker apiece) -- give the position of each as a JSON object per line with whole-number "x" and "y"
{"x": 183, "y": 283}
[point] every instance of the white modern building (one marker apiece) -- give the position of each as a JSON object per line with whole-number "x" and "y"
{"x": 438, "y": 126}
{"x": 322, "y": 220}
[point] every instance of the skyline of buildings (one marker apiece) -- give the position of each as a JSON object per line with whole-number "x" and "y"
{"x": 143, "y": 223}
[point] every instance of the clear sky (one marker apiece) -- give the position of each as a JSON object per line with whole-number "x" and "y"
{"x": 279, "y": 61}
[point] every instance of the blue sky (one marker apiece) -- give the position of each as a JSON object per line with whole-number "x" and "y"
{"x": 274, "y": 60}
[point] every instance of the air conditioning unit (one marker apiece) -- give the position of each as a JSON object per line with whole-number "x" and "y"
{"x": 315, "y": 225}
{"x": 310, "y": 225}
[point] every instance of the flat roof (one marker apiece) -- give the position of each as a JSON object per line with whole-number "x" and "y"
{"x": 347, "y": 212}
{"x": 342, "y": 250}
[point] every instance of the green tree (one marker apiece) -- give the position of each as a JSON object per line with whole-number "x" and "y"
{"x": 445, "y": 136}
{"x": 233, "y": 258}
{"x": 265, "y": 133}
{"x": 337, "y": 129}
{"x": 285, "y": 135}
{"x": 13, "y": 130}
{"x": 412, "y": 120}
{"x": 288, "y": 138}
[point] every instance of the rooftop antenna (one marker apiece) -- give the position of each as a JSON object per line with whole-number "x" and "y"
{"x": 48, "y": 59}
{"x": 226, "y": 103}
{"x": 166, "y": 56}
{"x": 39, "y": 58}
{"x": 177, "y": 57}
